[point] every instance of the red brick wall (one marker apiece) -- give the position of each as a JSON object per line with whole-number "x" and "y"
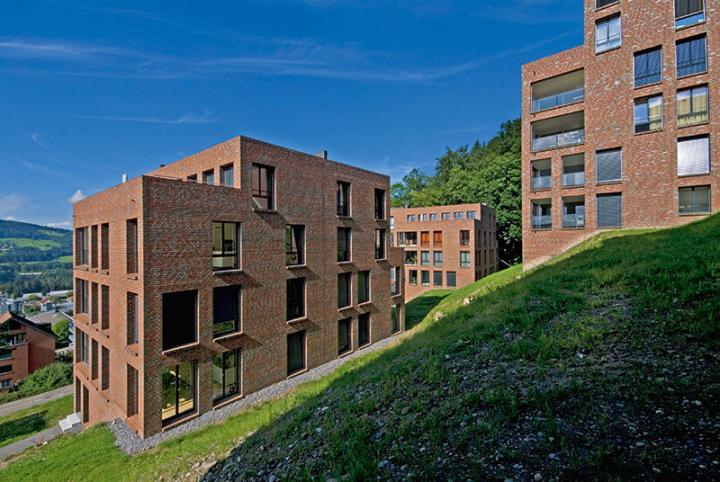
{"x": 650, "y": 182}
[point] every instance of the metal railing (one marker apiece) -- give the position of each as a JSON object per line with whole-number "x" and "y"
{"x": 557, "y": 100}
{"x": 692, "y": 118}
{"x": 541, "y": 182}
{"x": 542, "y": 222}
{"x": 573, "y": 221}
{"x": 573, "y": 179}
{"x": 569, "y": 138}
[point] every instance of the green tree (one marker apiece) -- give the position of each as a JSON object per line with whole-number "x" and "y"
{"x": 62, "y": 331}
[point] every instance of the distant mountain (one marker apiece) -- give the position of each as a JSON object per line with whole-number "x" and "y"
{"x": 34, "y": 258}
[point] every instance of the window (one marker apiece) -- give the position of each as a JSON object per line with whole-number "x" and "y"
{"x": 6, "y": 383}
{"x": 412, "y": 277}
{"x": 295, "y": 294}
{"x": 178, "y": 391}
{"x": 608, "y": 34}
{"x": 344, "y": 237}
{"x": 574, "y": 212}
{"x": 604, "y": 3}
{"x": 459, "y": 215}
{"x": 407, "y": 239}
{"x": 94, "y": 244}
{"x": 437, "y": 239}
{"x": 464, "y": 259}
{"x": 344, "y": 342}
{"x": 692, "y": 106}
{"x": 363, "y": 287}
{"x": 263, "y": 187}
{"x": 226, "y": 310}
{"x": 225, "y": 245}
{"x": 94, "y": 305}
{"x": 394, "y": 319}
{"x": 363, "y": 329}
{"x": 82, "y": 295}
{"x": 689, "y": 12}
{"x": 179, "y": 318}
{"x": 433, "y": 217}
{"x": 423, "y": 217}
{"x": 132, "y": 391}
{"x": 410, "y": 257}
{"x": 691, "y": 56}
{"x": 344, "y": 291}
{"x": 392, "y": 222}
{"x": 294, "y": 245}
{"x": 82, "y": 247}
{"x": 437, "y": 259}
{"x": 446, "y": 216}
{"x": 95, "y": 362}
{"x": 208, "y": 177}
{"x": 379, "y": 204}
{"x": 226, "y": 375}
{"x": 648, "y": 114}
{"x": 82, "y": 350}
{"x": 694, "y": 200}
{"x": 226, "y": 175}
{"x": 295, "y": 352}
{"x": 132, "y": 318}
{"x": 105, "y": 378}
{"x": 693, "y": 156}
{"x": 425, "y": 278}
{"x": 425, "y": 258}
{"x": 542, "y": 214}
{"x": 541, "y": 174}
{"x": 648, "y": 67}
{"x": 131, "y": 246}
{"x": 105, "y": 247}
{"x": 192, "y": 178}
{"x": 395, "y": 280}
{"x": 437, "y": 278}
{"x": 6, "y": 369}
{"x": 464, "y": 237}
{"x": 609, "y": 210}
{"x": 425, "y": 239}
{"x": 343, "y": 199}
{"x": 609, "y": 165}
{"x": 451, "y": 279}
{"x": 470, "y": 214}
{"x": 573, "y": 170}
{"x": 411, "y": 218}
{"x": 380, "y": 244}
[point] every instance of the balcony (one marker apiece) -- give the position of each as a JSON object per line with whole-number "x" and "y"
{"x": 541, "y": 174}
{"x": 541, "y": 182}
{"x": 573, "y": 170}
{"x": 542, "y": 222}
{"x": 561, "y": 90}
{"x": 574, "y": 221}
{"x": 574, "y": 212}
{"x": 556, "y": 132}
{"x": 542, "y": 214}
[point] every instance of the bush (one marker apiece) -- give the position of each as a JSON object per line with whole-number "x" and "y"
{"x": 62, "y": 332}
{"x": 47, "y": 378}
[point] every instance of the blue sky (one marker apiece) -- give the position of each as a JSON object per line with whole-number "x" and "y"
{"x": 91, "y": 90}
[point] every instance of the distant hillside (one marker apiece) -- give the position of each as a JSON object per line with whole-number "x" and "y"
{"x": 34, "y": 258}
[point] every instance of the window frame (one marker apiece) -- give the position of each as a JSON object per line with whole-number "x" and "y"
{"x": 178, "y": 414}
{"x": 223, "y": 175}
{"x": 300, "y": 369}
{"x": 694, "y": 211}
{"x": 237, "y": 322}
{"x": 302, "y": 311}
{"x": 677, "y": 63}
{"x": 223, "y": 254}
{"x": 343, "y": 199}
{"x": 346, "y": 276}
{"x": 236, "y": 354}
{"x": 347, "y": 234}
{"x": 646, "y": 101}
{"x": 297, "y": 236}
{"x": 269, "y": 194}
{"x": 635, "y": 65}
{"x": 607, "y": 20}
{"x": 364, "y": 287}
{"x": 709, "y": 154}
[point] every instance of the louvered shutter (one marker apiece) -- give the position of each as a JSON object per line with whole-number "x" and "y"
{"x": 609, "y": 165}
{"x": 609, "y": 211}
{"x": 693, "y": 156}
{"x": 685, "y": 8}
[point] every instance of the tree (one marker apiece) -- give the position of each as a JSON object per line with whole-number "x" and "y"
{"x": 62, "y": 331}
{"x": 484, "y": 173}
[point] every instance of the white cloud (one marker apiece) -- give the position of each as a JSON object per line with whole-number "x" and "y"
{"x": 204, "y": 118}
{"x": 78, "y": 196}
{"x": 11, "y": 218}
{"x": 61, "y": 224}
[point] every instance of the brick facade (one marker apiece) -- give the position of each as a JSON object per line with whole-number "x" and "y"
{"x": 29, "y": 348}
{"x": 438, "y": 229}
{"x": 650, "y": 180}
{"x": 174, "y": 254}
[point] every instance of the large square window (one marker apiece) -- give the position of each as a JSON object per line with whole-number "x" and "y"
{"x": 226, "y": 310}
{"x": 689, "y": 12}
{"x": 179, "y": 316}
{"x": 648, "y": 67}
{"x": 609, "y": 210}
{"x": 693, "y": 156}
{"x": 649, "y": 114}
{"x": 178, "y": 391}
{"x": 692, "y": 106}
{"x": 694, "y": 200}
{"x": 609, "y": 165}
{"x": 691, "y": 56}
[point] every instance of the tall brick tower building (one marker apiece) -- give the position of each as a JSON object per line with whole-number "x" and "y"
{"x": 623, "y": 131}
{"x": 215, "y": 276}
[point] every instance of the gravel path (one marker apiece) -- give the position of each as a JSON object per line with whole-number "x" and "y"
{"x": 23, "y": 403}
{"x": 131, "y": 443}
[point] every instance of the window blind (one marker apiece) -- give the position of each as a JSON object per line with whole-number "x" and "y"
{"x": 609, "y": 210}
{"x": 691, "y": 56}
{"x": 685, "y": 8}
{"x": 693, "y": 156}
{"x": 604, "y": 3}
{"x": 648, "y": 67}
{"x": 609, "y": 165}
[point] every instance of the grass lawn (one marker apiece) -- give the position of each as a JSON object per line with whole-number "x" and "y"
{"x": 601, "y": 365}
{"x": 30, "y": 421}
{"x": 419, "y": 307}
{"x": 65, "y": 259}
{"x": 42, "y": 244}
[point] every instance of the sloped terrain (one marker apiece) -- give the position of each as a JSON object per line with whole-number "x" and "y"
{"x": 603, "y": 365}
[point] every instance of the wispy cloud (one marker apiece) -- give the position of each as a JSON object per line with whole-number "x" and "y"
{"x": 45, "y": 170}
{"x": 77, "y": 196}
{"x": 37, "y": 139}
{"x": 12, "y": 204}
{"x": 204, "y": 118}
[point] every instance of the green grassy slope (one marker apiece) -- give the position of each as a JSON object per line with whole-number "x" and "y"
{"x": 24, "y": 423}
{"x": 603, "y": 365}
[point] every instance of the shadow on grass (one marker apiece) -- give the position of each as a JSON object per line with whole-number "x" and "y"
{"x": 18, "y": 428}
{"x": 417, "y": 309}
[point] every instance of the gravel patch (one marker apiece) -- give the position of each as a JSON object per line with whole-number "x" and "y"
{"x": 131, "y": 443}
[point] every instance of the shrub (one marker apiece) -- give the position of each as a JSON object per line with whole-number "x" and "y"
{"x": 50, "y": 377}
{"x": 62, "y": 332}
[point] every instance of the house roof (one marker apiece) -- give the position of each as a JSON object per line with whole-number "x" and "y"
{"x": 5, "y": 317}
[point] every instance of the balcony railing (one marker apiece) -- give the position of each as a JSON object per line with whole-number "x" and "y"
{"x": 685, "y": 69}
{"x": 691, "y": 119}
{"x": 541, "y": 182}
{"x": 542, "y": 222}
{"x": 573, "y": 179}
{"x": 573, "y": 221}
{"x": 554, "y": 141}
{"x": 564, "y": 98}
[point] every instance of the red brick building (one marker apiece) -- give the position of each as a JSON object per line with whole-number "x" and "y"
{"x": 24, "y": 348}
{"x": 445, "y": 246}
{"x": 215, "y": 276}
{"x": 622, "y": 131}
